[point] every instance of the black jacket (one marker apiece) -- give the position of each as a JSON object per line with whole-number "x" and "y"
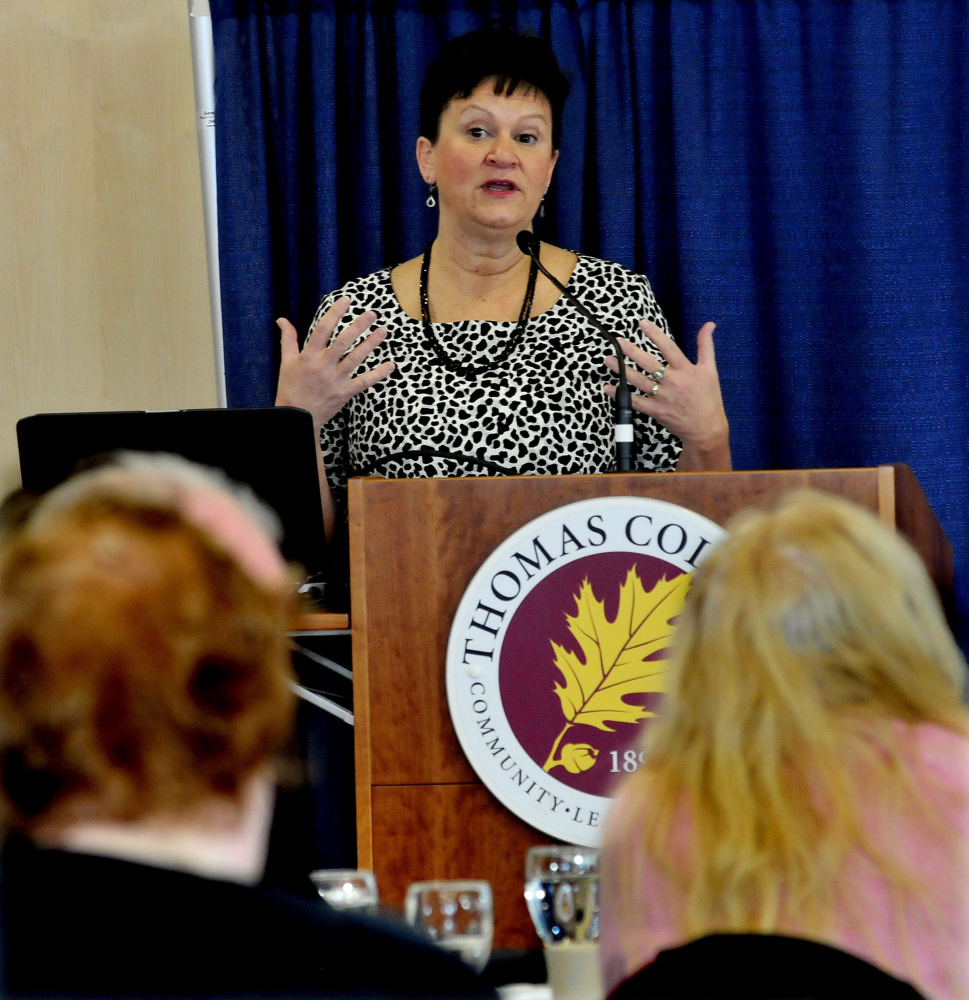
{"x": 80, "y": 925}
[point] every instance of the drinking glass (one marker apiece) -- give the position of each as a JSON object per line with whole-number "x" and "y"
{"x": 562, "y": 893}
{"x": 346, "y": 888}
{"x": 455, "y": 915}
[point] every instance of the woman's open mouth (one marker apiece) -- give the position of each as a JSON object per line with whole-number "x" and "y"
{"x": 500, "y": 187}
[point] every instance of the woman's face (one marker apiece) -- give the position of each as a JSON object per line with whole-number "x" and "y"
{"x": 493, "y": 158}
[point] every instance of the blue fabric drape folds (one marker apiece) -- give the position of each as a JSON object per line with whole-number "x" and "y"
{"x": 797, "y": 171}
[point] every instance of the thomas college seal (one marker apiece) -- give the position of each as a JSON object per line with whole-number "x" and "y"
{"x": 555, "y": 659}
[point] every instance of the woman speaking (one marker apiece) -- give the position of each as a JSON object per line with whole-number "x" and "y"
{"x": 478, "y": 364}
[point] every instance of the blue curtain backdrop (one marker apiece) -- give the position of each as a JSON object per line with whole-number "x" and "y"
{"x": 796, "y": 171}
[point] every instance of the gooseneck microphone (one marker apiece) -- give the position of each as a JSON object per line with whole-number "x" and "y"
{"x": 529, "y": 245}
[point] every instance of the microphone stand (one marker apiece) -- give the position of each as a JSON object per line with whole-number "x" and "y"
{"x": 528, "y": 243}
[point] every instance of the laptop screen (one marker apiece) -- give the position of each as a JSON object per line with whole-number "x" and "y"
{"x": 272, "y": 449}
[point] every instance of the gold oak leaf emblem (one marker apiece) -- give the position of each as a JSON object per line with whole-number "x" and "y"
{"x": 613, "y": 663}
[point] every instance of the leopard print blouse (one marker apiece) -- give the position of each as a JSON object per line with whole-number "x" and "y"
{"x": 542, "y": 411}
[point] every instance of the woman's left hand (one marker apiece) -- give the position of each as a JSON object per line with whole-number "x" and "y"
{"x": 685, "y": 400}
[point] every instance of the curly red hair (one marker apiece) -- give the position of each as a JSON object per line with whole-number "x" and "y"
{"x": 142, "y": 671}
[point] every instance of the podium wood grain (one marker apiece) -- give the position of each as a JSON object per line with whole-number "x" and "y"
{"x": 414, "y": 547}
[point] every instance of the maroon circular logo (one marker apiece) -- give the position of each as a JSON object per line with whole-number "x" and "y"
{"x": 556, "y": 658}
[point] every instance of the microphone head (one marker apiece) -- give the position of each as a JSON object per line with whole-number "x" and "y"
{"x": 527, "y": 242}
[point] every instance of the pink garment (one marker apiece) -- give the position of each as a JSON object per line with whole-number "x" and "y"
{"x": 931, "y": 952}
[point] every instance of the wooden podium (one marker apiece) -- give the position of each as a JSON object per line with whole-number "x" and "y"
{"x": 414, "y": 546}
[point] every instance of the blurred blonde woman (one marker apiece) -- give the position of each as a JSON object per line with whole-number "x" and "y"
{"x": 809, "y": 774}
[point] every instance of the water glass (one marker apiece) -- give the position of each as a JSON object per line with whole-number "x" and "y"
{"x": 455, "y": 915}
{"x": 346, "y": 888}
{"x": 562, "y": 893}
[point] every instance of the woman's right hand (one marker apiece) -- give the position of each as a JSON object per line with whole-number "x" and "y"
{"x": 319, "y": 378}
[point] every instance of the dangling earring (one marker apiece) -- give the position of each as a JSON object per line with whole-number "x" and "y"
{"x": 431, "y": 200}
{"x": 541, "y": 205}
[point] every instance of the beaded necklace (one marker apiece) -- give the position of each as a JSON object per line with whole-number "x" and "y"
{"x": 470, "y": 371}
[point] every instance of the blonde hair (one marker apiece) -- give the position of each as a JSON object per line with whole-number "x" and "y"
{"x": 807, "y": 636}
{"x": 142, "y": 670}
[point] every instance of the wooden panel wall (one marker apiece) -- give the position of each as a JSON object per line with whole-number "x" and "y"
{"x": 103, "y": 285}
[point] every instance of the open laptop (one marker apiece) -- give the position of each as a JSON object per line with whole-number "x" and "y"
{"x": 272, "y": 449}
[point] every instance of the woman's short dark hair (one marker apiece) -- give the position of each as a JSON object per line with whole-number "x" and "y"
{"x": 514, "y": 60}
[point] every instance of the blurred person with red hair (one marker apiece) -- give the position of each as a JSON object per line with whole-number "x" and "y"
{"x": 144, "y": 695}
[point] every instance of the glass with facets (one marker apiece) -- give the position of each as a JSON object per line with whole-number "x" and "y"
{"x": 346, "y": 889}
{"x": 562, "y": 894}
{"x": 455, "y": 915}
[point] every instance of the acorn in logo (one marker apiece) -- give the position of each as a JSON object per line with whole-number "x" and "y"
{"x": 574, "y": 757}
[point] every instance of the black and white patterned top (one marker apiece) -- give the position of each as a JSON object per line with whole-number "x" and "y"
{"x": 542, "y": 411}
